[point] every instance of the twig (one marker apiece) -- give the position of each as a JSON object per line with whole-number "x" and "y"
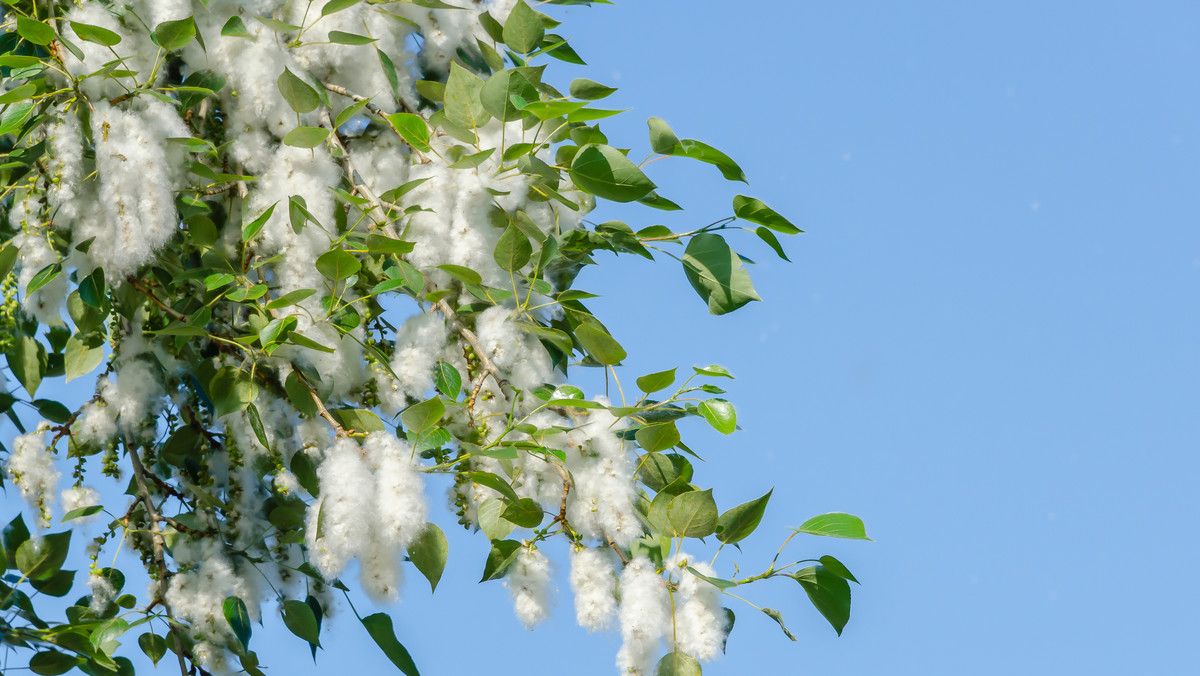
{"x": 157, "y": 545}
{"x": 361, "y": 188}
{"x": 337, "y": 427}
{"x": 443, "y": 307}
{"x": 135, "y": 283}
{"x": 376, "y": 110}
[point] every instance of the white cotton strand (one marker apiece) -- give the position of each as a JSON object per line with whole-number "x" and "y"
{"x": 45, "y": 304}
{"x": 645, "y": 616}
{"x": 700, "y": 622}
{"x": 69, "y": 196}
{"x": 96, "y": 424}
{"x": 601, "y": 504}
{"x": 197, "y": 593}
{"x": 594, "y": 583}
{"x": 418, "y": 344}
{"x": 80, "y": 497}
{"x": 401, "y": 512}
{"x": 138, "y": 215}
{"x": 135, "y": 398}
{"x": 31, "y": 468}
{"x": 529, "y": 581}
{"x": 343, "y": 514}
{"x": 102, "y": 593}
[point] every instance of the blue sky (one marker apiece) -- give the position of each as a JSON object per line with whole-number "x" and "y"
{"x": 986, "y": 344}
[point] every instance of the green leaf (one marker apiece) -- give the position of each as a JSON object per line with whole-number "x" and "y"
{"x": 349, "y": 112}
{"x": 523, "y": 30}
{"x": 589, "y": 114}
{"x": 714, "y": 370}
{"x": 299, "y": 95}
{"x": 290, "y": 298}
{"x": 662, "y": 139}
{"x": 525, "y": 512}
{"x": 341, "y": 38}
{"x": 423, "y": 416}
{"x": 172, "y": 35}
{"x": 52, "y": 411}
{"x": 830, "y": 594}
{"x": 35, "y": 31}
{"x": 396, "y": 193}
{"x": 500, "y": 89}
{"x": 27, "y": 360}
{"x": 753, "y": 210}
{"x": 598, "y": 343}
{"x": 14, "y": 117}
{"x": 582, "y": 88}
{"x": 277, "y": 25}
{"x": 300, "y": 620}
{"x": 21, "y": 93}
{"x": 491, "y": 522}
{"x": 51, "y": 662}
{"x": 238, "y": 619}
{"x": 465, "y": 275}
{"x": 253, "y": 227}
{"x": 8, "y": 258}
{"x": 837, "y": 568}
{"x": 717, "y": 274}
{"x": 337, "y": 6}
{"x": 463, "y": 106}
{"x": 231, "y": 390}
{"x": 657, "y": 437}
{"x": 337, "y": 264}
{"x": 605, "y": 172}
{"x": 153, "y": 645}
{"x": 693, "y": 514}
{"x": 772, "y": 241}
{"x": 738, "y": 523}
{"x": 412, "y": 128}
{"x": 377, "y": 243}
{"x": 306, "y": 137}
{"x": 359, "y": 420}
{"x": 653, "y": 382}
{"x": 493, "y": 482}
{"x": 703, "y": 152}
{"x": 379, "y": 626}
{"x": 43, "y": 277}
{"x": 428, "y": 553}
{"x": 658, "y": 470}
{"x": 91, "y": 289}
{"x": 720, "y": 414}
{"x": 235, "y": 28}
{"x": 447, "y": 380}
{"x": 676, "y": 663}
{"x": 82, "y": 512}
{"x": 513, "y": 249}
{"x": 256, "y": 425}
{"x": 835, "y": 525}
{"x": 547, "y": 110}
{"x": 80, "y": 359}
{"x": 43, "y": 557}
{"x": 778, "y": 617}
{"x": 104, "y": 637}
{"x": 473, "y": 160}
{"x": 717, "y": 582}
{"x": 501, "y": 556}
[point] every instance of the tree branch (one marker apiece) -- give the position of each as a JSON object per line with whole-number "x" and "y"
{"x": 376, "y": 110}
{"x": 157, "y": 546}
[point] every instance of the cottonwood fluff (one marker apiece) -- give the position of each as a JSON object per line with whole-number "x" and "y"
{"x": 645, "y": 616}
{"x": 594, "y": 583}
{"x": 529, "y": 582}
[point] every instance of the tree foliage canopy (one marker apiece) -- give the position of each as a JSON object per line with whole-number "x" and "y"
{"x": 318, "y": 257}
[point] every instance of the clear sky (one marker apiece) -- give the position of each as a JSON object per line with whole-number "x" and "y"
{"x": 986, "y": 344}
